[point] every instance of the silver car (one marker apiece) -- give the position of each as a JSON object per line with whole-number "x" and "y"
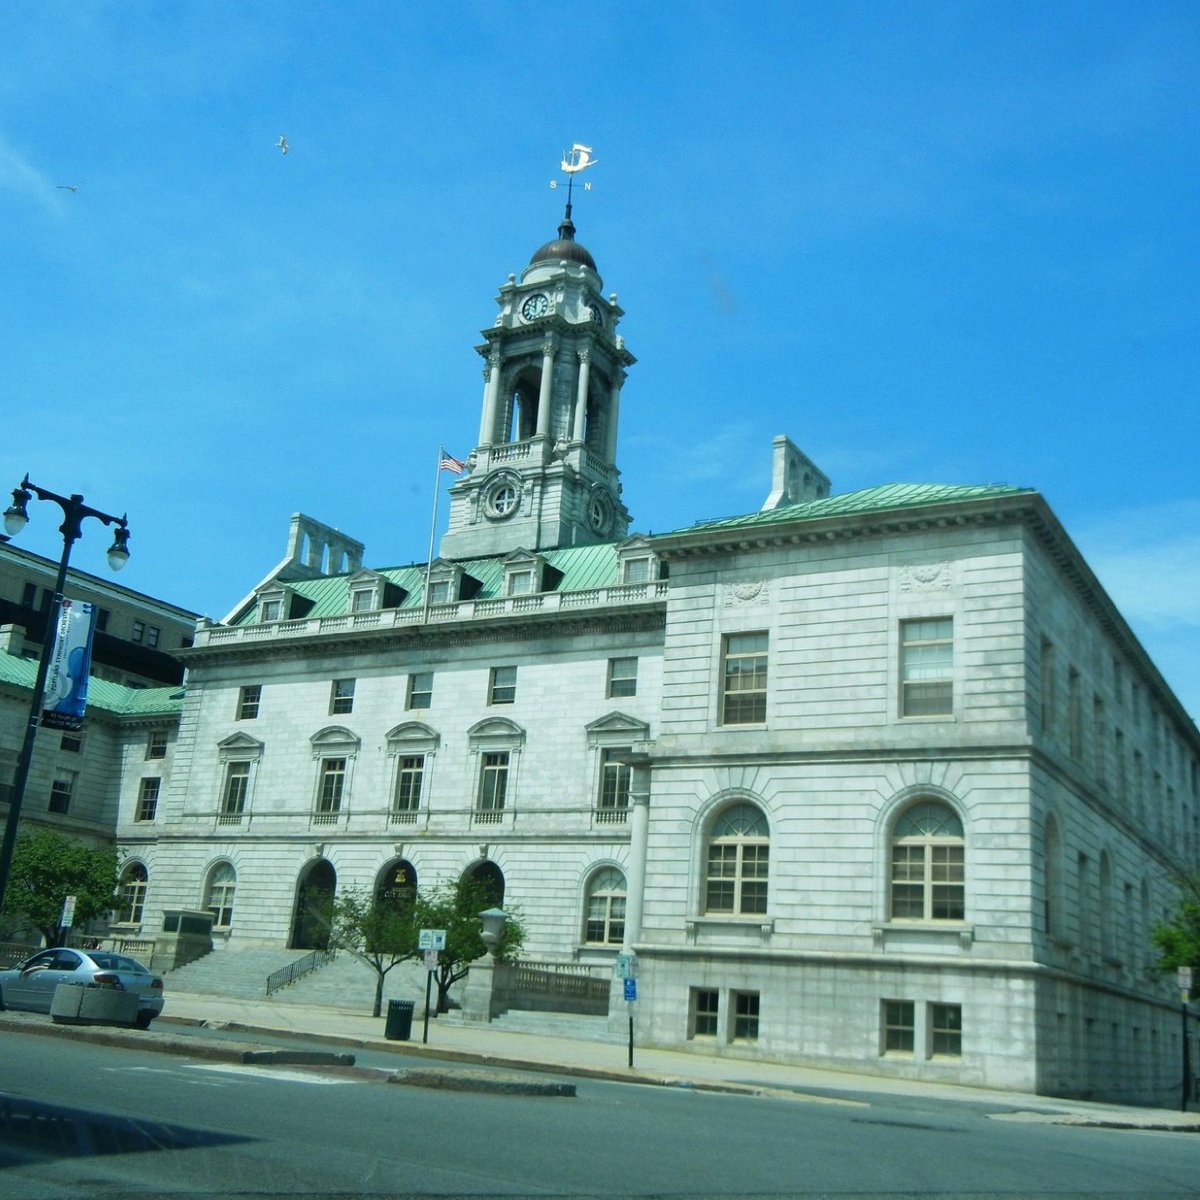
{"x": 31, "y": 984}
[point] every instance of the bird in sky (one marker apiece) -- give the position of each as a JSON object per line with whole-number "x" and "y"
{"x": 68, "y": 187}
{"x": 282, "y": 144}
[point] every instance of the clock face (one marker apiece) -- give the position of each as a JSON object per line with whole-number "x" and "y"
{"x": 537, "y": 305}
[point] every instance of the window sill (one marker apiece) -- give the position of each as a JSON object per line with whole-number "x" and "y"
{"x": 763, "y": 925}
{"x": 938, "y": 937}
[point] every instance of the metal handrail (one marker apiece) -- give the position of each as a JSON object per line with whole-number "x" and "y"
{"x": 302, "y": 966}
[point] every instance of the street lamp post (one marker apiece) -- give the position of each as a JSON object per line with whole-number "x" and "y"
{"x": 16, "y": 517}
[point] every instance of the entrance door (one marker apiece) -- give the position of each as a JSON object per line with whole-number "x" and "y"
{"x": 314, "y": 907}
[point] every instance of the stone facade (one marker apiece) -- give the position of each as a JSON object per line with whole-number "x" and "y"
{"x": 880, "y": 780}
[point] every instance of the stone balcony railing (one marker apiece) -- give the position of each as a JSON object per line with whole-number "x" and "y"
{"x": 541, "y": 603}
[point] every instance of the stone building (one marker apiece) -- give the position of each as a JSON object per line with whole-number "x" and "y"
{"x": 877, "y": 780}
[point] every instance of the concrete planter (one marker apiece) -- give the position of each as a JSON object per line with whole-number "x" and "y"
{"x": 77, "y": 1005}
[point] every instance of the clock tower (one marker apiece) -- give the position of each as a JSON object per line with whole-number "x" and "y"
{"x": 544, "y": 473}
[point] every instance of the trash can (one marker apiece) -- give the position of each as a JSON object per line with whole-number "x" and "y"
{"x": 399, "y": 1020}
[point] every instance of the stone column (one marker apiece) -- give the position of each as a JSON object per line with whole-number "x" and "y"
{"x": 614, "y": 405}
{"x": 491, "y": 392}
{"x": 543, "y": 417}
{"x": 581, "y": 395}
{"x": 635, "y": 882}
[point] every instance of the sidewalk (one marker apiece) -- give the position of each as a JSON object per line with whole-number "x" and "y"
{"x": 482, "y": 1044}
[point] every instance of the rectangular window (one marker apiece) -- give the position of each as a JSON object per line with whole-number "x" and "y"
{"x": 705, "y": 1008}
{"x": 945, "y": 1030}
{"x": 61, "y": 789}
{"x": 29, "y": 595}
{"x": 420, "y": 689}
{"x": 341, "y": 696}
{"x": 102, "y": 615}
{"x": 745, "y": 1016}
{"x": 270, "y": 610}
{"x": 362, "y": 600}
{"x": 1074, "y": 716}
{"x": 493, "y": 785}
{"x": 899, "y": 1026}
{"x": 520, "y": 583}
{"x": 409, "y": 778}
{"x": 502, "y": 685}
{"x": 153, "y": 633}
{"x": 156, "y": 744}
{"x": 249, "y": 699}
{"x": 614, "y": 783}
{"x": 635, "y": 570}
{"x": 927, "y": 667}
{"x": 148, "y": 799}
{"x": 744, "y": 684}
{"x": 331, "y": 787}
{"x": 1047, "y": 685}
{"x": 237, "y": 787}
{"x": 439, "y": 591}
{"x": 622, "y": 677}
{"x": 71, "y": 742}
{"x": 139, "y": 632}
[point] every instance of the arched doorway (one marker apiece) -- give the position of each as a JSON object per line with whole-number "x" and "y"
{"x": 314, "y": 907}
{"x": 490, "y": 880}
{"x": 396, "y": 886}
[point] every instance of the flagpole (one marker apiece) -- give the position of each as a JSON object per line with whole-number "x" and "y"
{"x": 437, "y": 481}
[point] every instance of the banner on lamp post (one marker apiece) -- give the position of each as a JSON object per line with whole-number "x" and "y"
{"x": 70, "y": 665}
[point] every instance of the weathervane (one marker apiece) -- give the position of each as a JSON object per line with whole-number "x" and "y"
{"x": 577, "y": 159}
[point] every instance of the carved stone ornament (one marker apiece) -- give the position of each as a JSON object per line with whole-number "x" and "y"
{"x": 927, "y": 577}
{"x": 746, "y": 593}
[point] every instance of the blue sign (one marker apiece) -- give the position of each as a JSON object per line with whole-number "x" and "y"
{"x": 70, "y": 665}
{"x": 631, "y": 990}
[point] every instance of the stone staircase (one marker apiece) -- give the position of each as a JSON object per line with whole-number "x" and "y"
{"x": 344, "y": 982}
{"x": 551, "y": 1024}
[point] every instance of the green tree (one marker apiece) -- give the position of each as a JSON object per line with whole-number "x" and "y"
{"x": 380, "y": 933}
{"x": 1177, "y": 939}
{"x": 47, "y": 867}
{"x": 455, "y": 907}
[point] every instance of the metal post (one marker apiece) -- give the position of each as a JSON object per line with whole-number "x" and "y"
{"x": 1187, "y": 1063}
{"x": 428, "y": 989}
{"x": 631, "y": 1035}
{"x": 74, "y": 512}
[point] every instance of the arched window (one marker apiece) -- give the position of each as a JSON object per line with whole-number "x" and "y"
{"x": 928, "y": 875}
{"x": 134, "y": 880}
{"x": 218, "y": 898}
{"x": 735, "y": 877}
{"x": 396, "y": 886}
{"x": 605, "y": 922}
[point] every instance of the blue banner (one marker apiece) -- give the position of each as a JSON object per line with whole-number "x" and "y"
{"x": 70, "y": 665}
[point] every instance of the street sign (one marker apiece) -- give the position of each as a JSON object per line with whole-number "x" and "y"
{"x": 431, "y": 960}
{"x": 631, "y": 990}
{"x": 68, "y": 913}
{"x": 431, "y": 939}
{"x": 1185, "y": 979}
{"x": 627, "y": 966}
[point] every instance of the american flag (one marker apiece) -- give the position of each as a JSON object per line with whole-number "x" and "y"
{"x": 451, "y": 464}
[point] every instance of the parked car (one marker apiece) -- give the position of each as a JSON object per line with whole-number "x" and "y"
{"x": 31, "y": 984}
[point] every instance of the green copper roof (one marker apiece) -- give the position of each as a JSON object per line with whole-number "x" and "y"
{"x": 886, "y": 498}
{"x": 102, "y": 694}
{"x": 581, "y": 567}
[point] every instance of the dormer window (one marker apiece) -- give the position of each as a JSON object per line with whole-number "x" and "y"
{"x": 270, "y": 610}
{"x": 637, "y": 570}
{"x": 362, "y": 600}
{"x": 520, "y": 583}
{"x": 439, "y": 591}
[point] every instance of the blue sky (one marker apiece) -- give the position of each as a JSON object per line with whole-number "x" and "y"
{"x": 931, "y": 242}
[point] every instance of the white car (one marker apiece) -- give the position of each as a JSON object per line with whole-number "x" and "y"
{"x": 31, "y": 984}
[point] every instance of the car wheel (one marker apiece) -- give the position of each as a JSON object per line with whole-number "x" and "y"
{"x": 142, "y": 1020}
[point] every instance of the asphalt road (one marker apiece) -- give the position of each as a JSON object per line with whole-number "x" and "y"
{"x": 80, "y": 1120}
